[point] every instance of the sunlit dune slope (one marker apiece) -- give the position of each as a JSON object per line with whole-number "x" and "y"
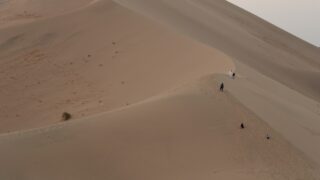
{"x": 144, "y": 96}
{"x": 17, "y": 12}
{"x": 92, "y": 60}
{"x": 243, "y": 36}
{"x": 193, "y": 132}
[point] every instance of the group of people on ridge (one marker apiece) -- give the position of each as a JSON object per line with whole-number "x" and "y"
{"x": 233, "y": 76}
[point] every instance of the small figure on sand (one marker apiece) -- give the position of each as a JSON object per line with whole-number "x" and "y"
{"x": 242, "y": 126}
{"x": 221, "y": 87}
{"x": 232, "y": 74}
{"x": 268, "y": 136}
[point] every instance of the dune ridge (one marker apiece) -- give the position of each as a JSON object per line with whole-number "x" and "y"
{"x": 243, "y": 36}
{"x": 194, "y": 121}
{"x": 273, "y": 62}
{"x": 60, "y": 66}
{"x": 144, "y": 96}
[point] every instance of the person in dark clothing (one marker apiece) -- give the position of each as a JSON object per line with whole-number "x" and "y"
{"x": 268, "y": 137}
{"x": 233, "y": 75}
{"x": 242, "y": 126}
{"x": 221, "y": 87}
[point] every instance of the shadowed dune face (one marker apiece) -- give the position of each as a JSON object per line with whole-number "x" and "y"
{"x": 93, "y": 60}
{"x": 193, "y": 132}
{"x": 243, "y": 36}
{"x": 144, "y": 105}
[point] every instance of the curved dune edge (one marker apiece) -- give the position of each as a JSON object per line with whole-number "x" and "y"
{"x": 243, "y": 36}
{"x": 94, "y": 60}
{"x": 190, "y": 132}
{"x": 282, "y": 72}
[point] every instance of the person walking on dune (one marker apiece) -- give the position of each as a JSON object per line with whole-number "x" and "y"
{"x": 268, "y": 136}
{"x": 221, "y": 87}
{"x": 232, "y": 74}
{"x": 242, "y": 126}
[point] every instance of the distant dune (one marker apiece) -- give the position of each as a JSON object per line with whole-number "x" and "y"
{"x": 141, "y": 81}
{"x": 273, "y": 64}
{"x": 242, "y": 36}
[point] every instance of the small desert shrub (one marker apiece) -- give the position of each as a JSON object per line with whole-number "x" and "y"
{"x": 66, "y": 116}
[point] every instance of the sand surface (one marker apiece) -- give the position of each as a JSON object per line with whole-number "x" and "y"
{"x": 141, "y": 80}
{"x": 93, "y": 60}
{"x": 189, "y": 133}
{"x": 243, "y": 36}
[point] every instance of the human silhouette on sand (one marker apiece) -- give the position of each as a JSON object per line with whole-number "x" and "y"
{"x": 221, "y": 87}
{"x": 242, "y": 126}
{"x": 233, "y": 75}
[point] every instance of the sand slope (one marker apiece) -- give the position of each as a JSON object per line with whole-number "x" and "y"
{"x": 245, "y": 37}
{"x": 144, "y": 100}
{"x": 273, "y": 64}
{"x": 17, "y": 12}
{"x": 93, "y": 60}
{"x": 192, "y": 132}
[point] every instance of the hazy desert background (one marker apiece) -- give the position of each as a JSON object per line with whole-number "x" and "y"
{"x": 141, "y": 80}
{"x": 294, "y": 16}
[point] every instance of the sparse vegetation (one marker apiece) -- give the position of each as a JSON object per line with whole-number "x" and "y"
{"x": 66, "y": 116}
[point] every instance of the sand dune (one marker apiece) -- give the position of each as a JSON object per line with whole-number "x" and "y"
{"x": 143, "y": 92}
{"x": 192, "y": 132}
{"x": 271, "y": 61}
{"x": 90, "y": 61}
{"x": 16, "y": 12}
{"x": 242, "y": 36}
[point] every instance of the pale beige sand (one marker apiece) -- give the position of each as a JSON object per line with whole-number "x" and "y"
{"x": 243, "y": 36}
{"x": 292, "y": 114}
{"x": 269, "y": 51}
{"x": 15, "y": 12}
{"x": 93, "y": 60}
{"x": 161, "y": 121}
{"x": 191, "y": 133}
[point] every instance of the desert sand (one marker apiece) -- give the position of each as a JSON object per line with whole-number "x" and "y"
{"x": 56, "y": 64}
{"x": 141, "y": 80}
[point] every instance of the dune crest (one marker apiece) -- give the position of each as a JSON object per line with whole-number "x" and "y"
{"x": 90, "y": 61}
{"x": 143, "y": 93}
{"x": 280, "y": 73}
{"x": 243, "y": 36}
{"x": 190, "y": 132}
